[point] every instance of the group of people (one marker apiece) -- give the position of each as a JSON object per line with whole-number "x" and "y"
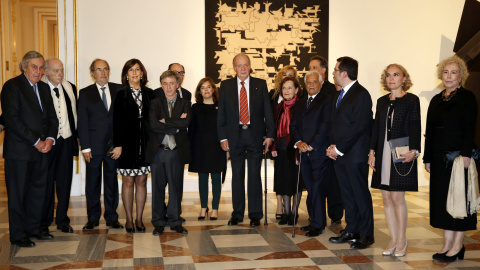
{"x": 323, "y": 140}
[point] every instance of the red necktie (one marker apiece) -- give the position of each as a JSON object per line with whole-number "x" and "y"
{"x": 244, "y": 117}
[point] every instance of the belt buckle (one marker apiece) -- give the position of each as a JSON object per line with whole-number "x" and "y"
{"x": 244, "y": 127}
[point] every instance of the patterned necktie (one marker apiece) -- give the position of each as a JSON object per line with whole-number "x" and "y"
{"x": 56, "y": 92}
{"x": 340, "y": 97}
{"x": 244, "y": 117}
{"x": 170, "y": 138}
{"x": 38, "y": 96}
{"x": 309, "y": 101}
{"x": 104, "y": 97}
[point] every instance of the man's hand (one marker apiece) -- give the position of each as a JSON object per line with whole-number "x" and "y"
{"x": 466, "y": 162}
{"x": 224, "y": 146}
{"x": 116, "y": 152}
{"x": 268, "y": 142}
{"x": 303, "y": 147}
{"x": 87, "y": 156}
{"x": 40, "y": 146}
{"x": 48, "y": 146}
{"x": 331, "y": 153}
{"x": 274, "y": 153}
{"x": 184, "y": 115}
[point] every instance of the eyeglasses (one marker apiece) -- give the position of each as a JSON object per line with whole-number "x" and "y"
{"x": 99, "y": 70}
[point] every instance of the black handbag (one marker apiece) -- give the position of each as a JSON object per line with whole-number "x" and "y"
{"x": 109, "y": 148}
{"x": 450, "y": 156}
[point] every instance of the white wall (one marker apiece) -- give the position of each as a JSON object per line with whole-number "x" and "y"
{"x": 416, "y": 34}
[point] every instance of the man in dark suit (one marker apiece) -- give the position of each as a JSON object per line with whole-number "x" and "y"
{"x": 350, "y": 137}
{"x": 334, "y": 200}
{"x": 168, "y": 151}
{"x": 181, "y": 92}
{"x": 60, "y": 170}
{"x": 244, "y": 118}
{"x": 31, "y": 128}
{"x": 309, "y": 128}
{"x": 95, "y": 130}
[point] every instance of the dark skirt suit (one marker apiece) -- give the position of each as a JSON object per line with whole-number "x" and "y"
{"x": 450, "y": 127}
{"x": 406, "y": 123}
{"x": 207, "y": 155}
{"x": 131, "y": 131}
{"x": 285, "y": 175}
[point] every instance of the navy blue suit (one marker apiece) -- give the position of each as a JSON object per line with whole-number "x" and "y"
{"x": 311, "y": 126}
{"x": 95, "y": 129}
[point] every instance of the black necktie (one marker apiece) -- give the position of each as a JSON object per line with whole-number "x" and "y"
{"x": 56, "y": 92}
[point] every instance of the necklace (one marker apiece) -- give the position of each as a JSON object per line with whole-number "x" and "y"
{"x": 445, "y": 98}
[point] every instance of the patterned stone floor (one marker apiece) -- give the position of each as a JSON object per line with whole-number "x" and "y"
{"x": 214, "y": 245}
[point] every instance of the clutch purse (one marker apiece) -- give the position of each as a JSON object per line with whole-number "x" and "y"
{"x": 450, "y": 156}
{"x": 398, "y": 147}
{"x": 109, "y": 148}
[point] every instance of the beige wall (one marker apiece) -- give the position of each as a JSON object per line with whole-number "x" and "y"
{"x": 416, "y": 34}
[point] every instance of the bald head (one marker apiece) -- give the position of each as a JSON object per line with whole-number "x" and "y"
{"x": 54, "y": 71}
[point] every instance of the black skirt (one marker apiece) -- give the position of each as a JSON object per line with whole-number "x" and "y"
{"x": 285, "y": 176}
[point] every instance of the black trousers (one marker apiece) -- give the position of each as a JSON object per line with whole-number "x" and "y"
{"x": 94, "y": 184}
{"x": 334, "y": 200}
{"x": 26, "y": 183}
{"x": 252, "y": 148}
{"x": 166, "y": 169}
{"x": 353, "y": 179}
{"x": 60, "y": 172}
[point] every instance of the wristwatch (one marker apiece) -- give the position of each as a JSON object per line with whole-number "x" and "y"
{"x": 417, "y": 154}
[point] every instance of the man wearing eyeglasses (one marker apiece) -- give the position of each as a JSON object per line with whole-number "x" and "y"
{"x": 60, "y": 170}
{"x": 95, "y": 130}
{"x": 31, "y": 128}
{"x": 181, "y": 92}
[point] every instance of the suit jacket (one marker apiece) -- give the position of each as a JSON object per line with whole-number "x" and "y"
{"x": 329, "y": 88}
{"x": 261, "y": 116}
{"x": 71, "y": 115}
{"x": 185, "y": 93}
{"x": 312, "y": 125}
{"x": 95, "y": 123}
{"x": 173, "y": 126}
{"x": 352, "y": 124}
{"x": 25, "y": 120}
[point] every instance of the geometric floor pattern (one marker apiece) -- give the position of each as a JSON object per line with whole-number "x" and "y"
{"x": 214, "y": 245}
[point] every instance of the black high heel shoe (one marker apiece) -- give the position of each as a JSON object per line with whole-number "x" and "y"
{"x": 437, "y": 256}
{"x": 129, "y": 230}
{"x": 203, "y": 217}
{"x": 141, "y": 228}
{"x": 214, "y": 218}
{"x": 453, "y": 258}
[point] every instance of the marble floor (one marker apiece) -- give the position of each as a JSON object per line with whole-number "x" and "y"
{"x": 214, "y": 245}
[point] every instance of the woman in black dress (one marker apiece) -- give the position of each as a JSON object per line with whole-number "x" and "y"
{"x": 397, "y": 116}
{"x": 207, "y": 155}
{"x": 285, "y": 167}
{"x": 276, "y": 97}
{"x": 130, "y": 137}
{"x": 451, "y": 121}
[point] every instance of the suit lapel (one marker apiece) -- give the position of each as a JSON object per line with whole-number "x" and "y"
{"x": 253, "y": 89}
{"x": 346, "y": 96}
{"x": 234, "y": 94}
{"x": 30, "y": 93}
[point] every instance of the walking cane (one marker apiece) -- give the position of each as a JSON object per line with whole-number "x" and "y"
{"x": 296, "y": 200}
{"x": 265, "y": 157}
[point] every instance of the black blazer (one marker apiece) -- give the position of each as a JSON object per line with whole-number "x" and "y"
{"x": 261, "y": 116}
{"x": 352, "y": 122}
{"x": 185, "y": 93}
{"x": 25, "y": 121}
{"x": 71, "y": 118}
{"x": 173, "y": 126}
{"x": 95, "y": 123}
{"x": 329, "y": 88}
{"x": 312, "y": 125}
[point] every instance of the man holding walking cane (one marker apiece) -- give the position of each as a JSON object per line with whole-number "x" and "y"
{"x": 244, "y": 117}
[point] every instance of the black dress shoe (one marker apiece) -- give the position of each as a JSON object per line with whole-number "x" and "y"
{"x": 44, "y": 236}
{"x": 363, "y": 243}
{"x": 314, "y": 232}
{"x": 336, "y": 222}
{"x": 182, "y": 219}
{"x": 234, "y": 221}
{"x": 25, "y": 242}
{"x": 158, "y": 230}
{"x": 284, "y": 219}
{"x": 90, "y": 225}
{"x": 292, "y": 220}
{"x": 115, "y": 225}
{"x": 437, "y": 256}
{"x": 65, "y": 229}
{"x": 344, "y": 237}
{"x": 453, "y": 258}
{"x": 254, "y": 222}
{"x": 305, "y": 228}
{"x": 44, "y": 229}
{"x": 179, "y": 229}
